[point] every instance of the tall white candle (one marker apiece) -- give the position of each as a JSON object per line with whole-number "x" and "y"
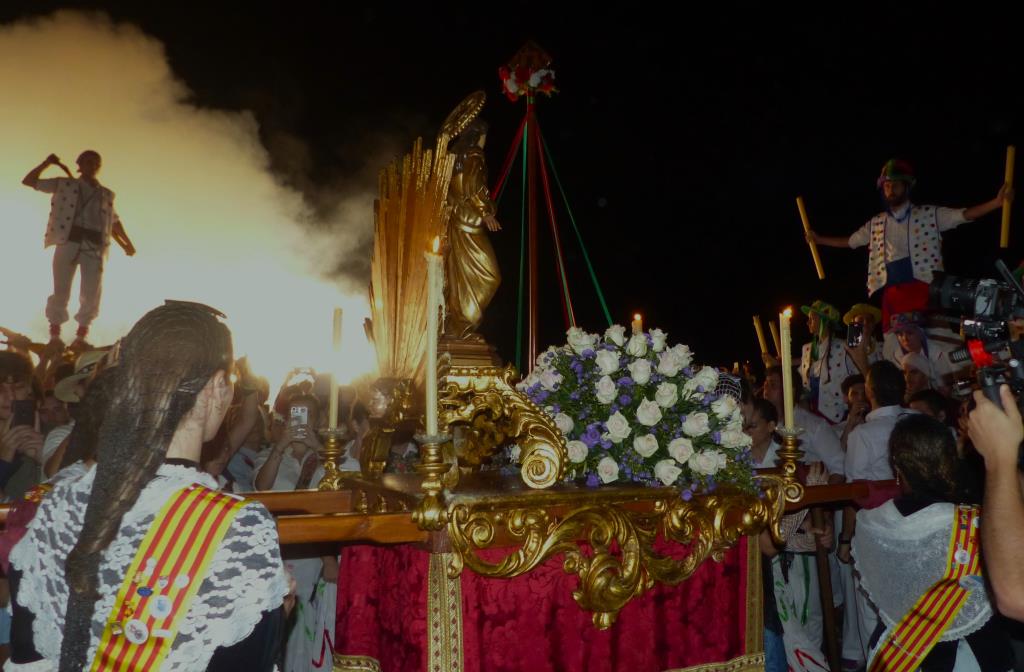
{"x": 435, "y": 288}
{"x": 335, "y": 352}
{"x": 787, "y": 368}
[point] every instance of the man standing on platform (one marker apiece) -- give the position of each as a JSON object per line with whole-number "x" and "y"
{"x": 81, "y": 225}
{"x": 905, "y": 242}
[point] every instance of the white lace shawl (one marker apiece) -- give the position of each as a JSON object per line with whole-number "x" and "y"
{"x": 900, "y": 557}
{"x": 245, "y": 578}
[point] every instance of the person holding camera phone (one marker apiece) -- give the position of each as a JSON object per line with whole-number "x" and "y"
{"x": 20, "y": 439}
{"x": 293, "y": 464}
{"x": 997, "y": 434}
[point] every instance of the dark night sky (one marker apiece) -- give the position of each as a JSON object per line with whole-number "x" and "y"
{"x": 681, "y": 140}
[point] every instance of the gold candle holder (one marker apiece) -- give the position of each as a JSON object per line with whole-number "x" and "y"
{"x": 430, "y": 513}
{"x": 331, "y": 456}
{"x": 790, "y": 454}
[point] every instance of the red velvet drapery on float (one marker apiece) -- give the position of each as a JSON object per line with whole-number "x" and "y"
{"x": 532, "y": 623}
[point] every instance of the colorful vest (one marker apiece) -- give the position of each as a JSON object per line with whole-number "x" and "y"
{"x": 923, "y": 240}
{"x": 63, "y": 206}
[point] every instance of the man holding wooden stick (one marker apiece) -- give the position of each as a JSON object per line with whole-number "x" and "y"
{"x": 905, "y": 242}
{"x": 81, "y": 225}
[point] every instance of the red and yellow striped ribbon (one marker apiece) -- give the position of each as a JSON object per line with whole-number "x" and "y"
{"x": 919, "y": 630}
{"x": 176, "y": 552}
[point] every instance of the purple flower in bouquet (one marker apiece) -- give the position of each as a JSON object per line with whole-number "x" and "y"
{"x": 592, "y": 480}
{"x": 625, "y": 399}
{"x": 688, "y": 372}
{"x": 588, "y": 354}
{"x": 686, "y": 495}
{"x": 625, "y": 381}
{"x": 716, "y": 437}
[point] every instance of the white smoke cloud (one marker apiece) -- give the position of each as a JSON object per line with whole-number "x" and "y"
{"x": 194, "y": 189}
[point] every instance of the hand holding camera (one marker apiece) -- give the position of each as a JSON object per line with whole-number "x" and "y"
{"x": 996, "y": 432}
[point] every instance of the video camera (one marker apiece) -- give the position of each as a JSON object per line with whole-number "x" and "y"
{"x": 986, "y": 308}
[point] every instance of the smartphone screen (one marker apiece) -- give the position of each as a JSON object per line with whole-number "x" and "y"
{"x": 24, "y": 413}
{"x": 299, "y": 416}
{"x": 854, "y": 334}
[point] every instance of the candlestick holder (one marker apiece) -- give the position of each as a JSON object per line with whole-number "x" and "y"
{"x": 430, "y": 513}
{"x": 332, "y": 454}
{"x": 790, "y": 454}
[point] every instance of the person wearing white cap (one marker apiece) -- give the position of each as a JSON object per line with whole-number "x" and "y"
{"x": 70, "y": 390}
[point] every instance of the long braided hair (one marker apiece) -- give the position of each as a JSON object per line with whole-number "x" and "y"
{"x": 162, "y": 365}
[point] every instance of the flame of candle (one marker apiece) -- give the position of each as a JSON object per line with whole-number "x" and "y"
{"x": 788, "y": 312}
{"x": 436, "y": 245}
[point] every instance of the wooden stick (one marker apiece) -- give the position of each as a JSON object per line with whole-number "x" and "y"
{"x": 759, "y": 330}
{"x": 1004, "y": 234}
{"x": 810, "y": 243}
{"x": 825, "y": 588}
{"x": 775, "y": 338}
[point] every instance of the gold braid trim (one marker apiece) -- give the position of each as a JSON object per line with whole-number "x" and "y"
{"x": 355, "y": 664}
{"x": 444, "y": 614}
{"x": 747, "y": 663}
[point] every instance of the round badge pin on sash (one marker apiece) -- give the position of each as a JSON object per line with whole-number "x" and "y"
{"x": 161, "y": 606}
{"x": 136, "y": 632}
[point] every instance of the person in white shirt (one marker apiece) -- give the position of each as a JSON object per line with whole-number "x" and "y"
{"x": 867, "y": 458}
{"x": 818, "y": 441}
{"x": 293, "y": 464}
{"x": 905, "y": 242}
{"x": 82, "y": 223}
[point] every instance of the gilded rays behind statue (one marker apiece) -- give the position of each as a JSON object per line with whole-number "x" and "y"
{"x": 412, "y": 209}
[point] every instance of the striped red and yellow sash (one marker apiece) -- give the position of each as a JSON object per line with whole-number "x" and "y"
{"x": 919, "y": 630}
{"x": 163, "y": 578}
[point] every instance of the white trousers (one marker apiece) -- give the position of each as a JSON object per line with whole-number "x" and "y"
{"x": 66, "y": 259}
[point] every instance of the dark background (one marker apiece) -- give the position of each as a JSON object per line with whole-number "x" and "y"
{"x": 681, "y": 139}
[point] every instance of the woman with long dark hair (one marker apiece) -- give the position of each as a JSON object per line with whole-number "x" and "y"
{"x": 140, "y": 563}
{"x": 918, "y": 557}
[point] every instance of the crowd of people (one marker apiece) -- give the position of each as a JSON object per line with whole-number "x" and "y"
{"x": 920, "y": 579}
{"x": 51, "y": 434}
{"x": 106, "y": 452}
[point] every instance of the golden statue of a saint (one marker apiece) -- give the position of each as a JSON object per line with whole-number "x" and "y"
{"x": 472, "y": 274}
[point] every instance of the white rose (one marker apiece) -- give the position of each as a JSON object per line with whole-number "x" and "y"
{"x": 732, "y": 438}
{"x": 646, "y": 445}
{"x": 667, "y": 472}
{"x": 707, "y": 462}
{"x": 616, "y": 334}
{"x": 607, "y": 470}
{"x": 683, "y": 355}
{"x": 721, "y": 457}
{"x": 607, "y": 361}
{"x": 577, "y": 451}
{"x": 649, "y": 413}
{"x": 565, "y": 423}
{"x": 514, "y": 452}
{"x": 681, "y": 449}
{"x": 618, "y": 427}
{"x": 546, "y": 357}
{"x": 659, "y": 338}
{"x": 668, "y": 364}
{"x": 528, "y": 382}
{"x": 580, "y": 340}
{"x": 707, "y": 378}
{"x": 637, "y": 346}
{"x": 667, "y": 395}
{"x": 606, "y": 391}
{"x": 724, "y": 407}
{"x": 550, "y": 379}
{"x": 640, "y": 371}
{"x": 696, "y": 424}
